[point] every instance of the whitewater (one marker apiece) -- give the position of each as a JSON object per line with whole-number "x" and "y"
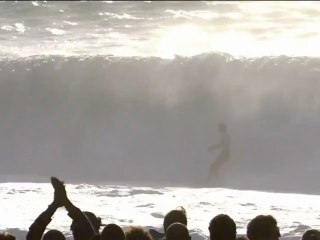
{"x": 129, "y": 132}
{"x": 148, "y": 122}
{"x": 129, "y": 205}
{"x": 151, "y": 119}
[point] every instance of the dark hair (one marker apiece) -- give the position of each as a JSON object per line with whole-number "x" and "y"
{"x": 78, "y": 232}
{"x": 95, "y": 221}
{"x": 222, "y": 227}
{"x": 177, "y": 231}
{"x": 53, "y": 235}
{"x": 182, "y": 209}
{"x": 174, "y": 216}
{"x": 112, "y": 232}
{"x": 311, "y": 234}
{"x": 6, "y": 236}
{"x": 241, "y": 237}
{"x": 263, "y": 226}
{"x": 137, "y": 233}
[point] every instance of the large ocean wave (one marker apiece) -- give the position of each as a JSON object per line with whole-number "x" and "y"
{"x": 150, "y": 119}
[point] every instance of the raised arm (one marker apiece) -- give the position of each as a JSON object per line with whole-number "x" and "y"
{"x": 38, "y": 227}
{"x": 80, "y": 222}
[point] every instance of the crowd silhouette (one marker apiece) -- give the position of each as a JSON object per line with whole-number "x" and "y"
{"x": 87, "y": 226}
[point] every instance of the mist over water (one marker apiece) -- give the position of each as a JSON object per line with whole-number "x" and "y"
{"x": 151, "y": 120}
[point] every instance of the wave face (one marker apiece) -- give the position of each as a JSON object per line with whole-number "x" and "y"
{"x": 152, "y": 120}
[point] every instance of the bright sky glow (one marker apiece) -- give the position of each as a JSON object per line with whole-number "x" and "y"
{"x": 257, "y": 29}
{"x": 186, "y": 39}
{"x": 165, "y": 29}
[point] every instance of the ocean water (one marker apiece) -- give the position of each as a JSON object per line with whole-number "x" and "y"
{"x": 153, "y": 28}
{"x": 86, "y": 97}
{"x": 152, "y": 120}
{"x": 121, "y": 28}
{"x": 72, "y": 104}
{"x": 146, "y": 206}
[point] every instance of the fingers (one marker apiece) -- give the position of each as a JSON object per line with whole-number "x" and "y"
{"x": 55, "y": 180}
{"x": 56, "y": 183}
{"x": 58, "y": 186}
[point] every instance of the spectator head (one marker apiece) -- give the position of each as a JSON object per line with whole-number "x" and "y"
{"x": 79, "y": 233}
{"x": 112, "y": 232}
{"x": 177, "y": 231}
{"x": 6, "y": 236}
{"x": 263, "y": 227}
{"x": 95, "y": 221}
{"x": 173, "y": 216}
{"x": 222, "y": 227}
{"x": 137, "y": 233}
{"x": 311, "y": 234}
{"x": 53, "y": 235}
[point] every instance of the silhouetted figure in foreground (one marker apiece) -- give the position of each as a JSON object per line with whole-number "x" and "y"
{"x": 222, "y": 227}
{"x": 93, "y": 219}
{"x": 38, "y": 227}
{"x": 85, "y": 225}
{"x": 137, "y": 233}
{"x": 263, "y": 227}
{"x": 311, "y": 234}
{"x": 224, "y": 154}
{"x": 81, "y": 227}
{"x": 6, "y": 236}
{"x": 54, "y": 235}
{"x": 112, "y": 232}
{"x": 176, "y": 215}
{"x": 242, "y": 238}
{"x": 177, "y": 231}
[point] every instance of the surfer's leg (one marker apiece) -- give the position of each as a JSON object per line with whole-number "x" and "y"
{"x": 214, "y": 170}
{"x": 216, "y": 166}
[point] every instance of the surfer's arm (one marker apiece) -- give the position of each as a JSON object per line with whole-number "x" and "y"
{"x": 215, "y": 146}
{"x": 38, "y": 227}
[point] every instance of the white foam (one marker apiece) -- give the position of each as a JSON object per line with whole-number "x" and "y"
{"x": 25, "y": 201}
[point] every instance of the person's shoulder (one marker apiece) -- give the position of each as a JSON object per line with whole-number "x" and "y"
{"x": 157, "y": 235}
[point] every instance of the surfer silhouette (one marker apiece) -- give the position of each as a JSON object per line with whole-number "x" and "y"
{"x": 224, "y": 154}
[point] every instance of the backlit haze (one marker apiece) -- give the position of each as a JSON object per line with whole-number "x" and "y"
{"x": 249, "y": 29}
{"x": 134, "y": 91}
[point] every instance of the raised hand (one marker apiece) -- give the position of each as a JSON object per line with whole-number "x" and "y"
{"x": 60, "y": 194}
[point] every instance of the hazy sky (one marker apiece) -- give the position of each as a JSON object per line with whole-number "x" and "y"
{"x": 160, "y": 28}
{"x": 246, "y": 28}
